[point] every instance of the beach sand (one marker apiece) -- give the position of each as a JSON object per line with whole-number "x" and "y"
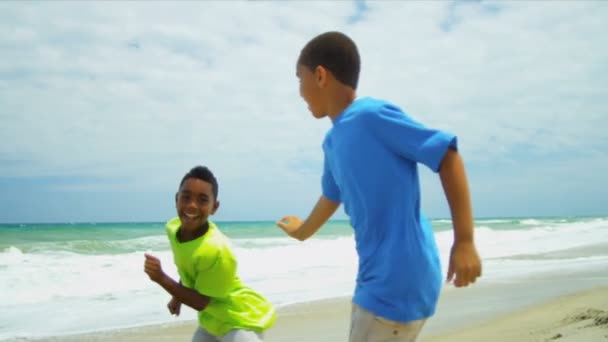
{"x": 580, "y": 316}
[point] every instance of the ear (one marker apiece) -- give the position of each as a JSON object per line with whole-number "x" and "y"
{"x": 216, "y": 206}
{"x": 321, "y": 76}
{"x": 176, "y": 194}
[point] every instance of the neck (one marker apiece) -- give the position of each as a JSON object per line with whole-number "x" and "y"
{"x": 189, "y": 235}
{"x": 339, "y": 99}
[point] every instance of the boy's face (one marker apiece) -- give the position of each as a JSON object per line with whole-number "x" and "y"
{"x": 310, "y": 89}
{"x": 195, "y": 203}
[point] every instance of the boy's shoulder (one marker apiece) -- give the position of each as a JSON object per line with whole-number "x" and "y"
{"x": 366, "y": 107}
{"x": 362, "y": 113}
{"x": 172, "y": 226}
{"x": 217, "y": 237}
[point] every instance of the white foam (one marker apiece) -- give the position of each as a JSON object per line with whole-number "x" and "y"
{"x": 530, "y": 222}
{"x": 494, "y": 243}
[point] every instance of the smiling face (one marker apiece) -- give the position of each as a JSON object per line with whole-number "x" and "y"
{"x": 195, "y": 202}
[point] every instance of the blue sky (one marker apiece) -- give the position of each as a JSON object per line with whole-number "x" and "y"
{"x": 105, "y": 105}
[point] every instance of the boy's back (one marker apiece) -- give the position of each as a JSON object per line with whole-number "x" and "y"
{"x": 371, "y": 156}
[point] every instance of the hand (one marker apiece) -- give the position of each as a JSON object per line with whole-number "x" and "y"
{"x": 290, "y": 224}
{"x": 174, "y": 306}
{"x": 153, "y": 268}
{"x": 465, "y": 265}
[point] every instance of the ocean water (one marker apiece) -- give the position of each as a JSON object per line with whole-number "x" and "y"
{"x": 60, "y": 279}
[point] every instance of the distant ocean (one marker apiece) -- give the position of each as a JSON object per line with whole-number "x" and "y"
{"x": 60, "y": 279}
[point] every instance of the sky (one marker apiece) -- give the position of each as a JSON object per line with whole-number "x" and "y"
{"x": 104, "y": 106}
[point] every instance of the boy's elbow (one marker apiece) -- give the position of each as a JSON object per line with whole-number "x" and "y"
{"x": 201, "y": 305}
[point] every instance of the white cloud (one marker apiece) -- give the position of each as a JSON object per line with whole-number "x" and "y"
{"x": 143, "y": 91}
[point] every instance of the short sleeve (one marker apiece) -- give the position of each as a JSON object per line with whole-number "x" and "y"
{"x": 217, "y": 280}
{"x": 410, "y": 139}
{"x": 328, "y": 183}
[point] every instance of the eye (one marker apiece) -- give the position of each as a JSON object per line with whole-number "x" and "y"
{"x": 202, "y": 200}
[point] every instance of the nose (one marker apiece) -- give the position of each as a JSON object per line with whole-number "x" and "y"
{"x": 191, "y": 203}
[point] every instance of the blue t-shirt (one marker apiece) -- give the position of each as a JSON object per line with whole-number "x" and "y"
{"x": 371, "y": 156}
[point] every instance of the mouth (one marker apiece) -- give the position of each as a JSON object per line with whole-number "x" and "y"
{"x": 190, "y": 217}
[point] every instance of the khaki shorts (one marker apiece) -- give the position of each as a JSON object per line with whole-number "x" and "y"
{"x": 367, "y": 327}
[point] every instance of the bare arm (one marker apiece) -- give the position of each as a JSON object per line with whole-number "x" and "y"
{"x": 456, "y": 188}
{"x": 297, "y": 229}
{"x": 179, "y": 292}
{"x": 183, "y": 294}
{"x": 465, "y": 265}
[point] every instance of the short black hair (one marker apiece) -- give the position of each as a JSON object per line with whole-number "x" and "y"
{"x": 336, "y": 52}
{"x": 203, "y": 173}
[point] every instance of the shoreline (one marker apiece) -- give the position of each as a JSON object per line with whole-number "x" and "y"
{"x": 519, "y": 311}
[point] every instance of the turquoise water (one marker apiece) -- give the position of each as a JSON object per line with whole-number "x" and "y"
{"x": 106, "y": 238}
{"x": 101, "y": 238}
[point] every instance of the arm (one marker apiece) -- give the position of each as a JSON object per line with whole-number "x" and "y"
{"x": 465, "y": 264}
{"x": 297, "y": 229}
{"x": 181, "y": 293}
{"x": 174, "y": 305}
{"x": 456, "y": 188}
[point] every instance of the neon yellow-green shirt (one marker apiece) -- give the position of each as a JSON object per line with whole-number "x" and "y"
{"x": 207, "y": 265}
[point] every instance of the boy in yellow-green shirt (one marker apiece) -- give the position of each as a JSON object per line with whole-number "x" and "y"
{"x": 228, "y": 311}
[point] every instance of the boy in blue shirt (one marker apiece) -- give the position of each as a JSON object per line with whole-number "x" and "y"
{"x": 371, "y": 156}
